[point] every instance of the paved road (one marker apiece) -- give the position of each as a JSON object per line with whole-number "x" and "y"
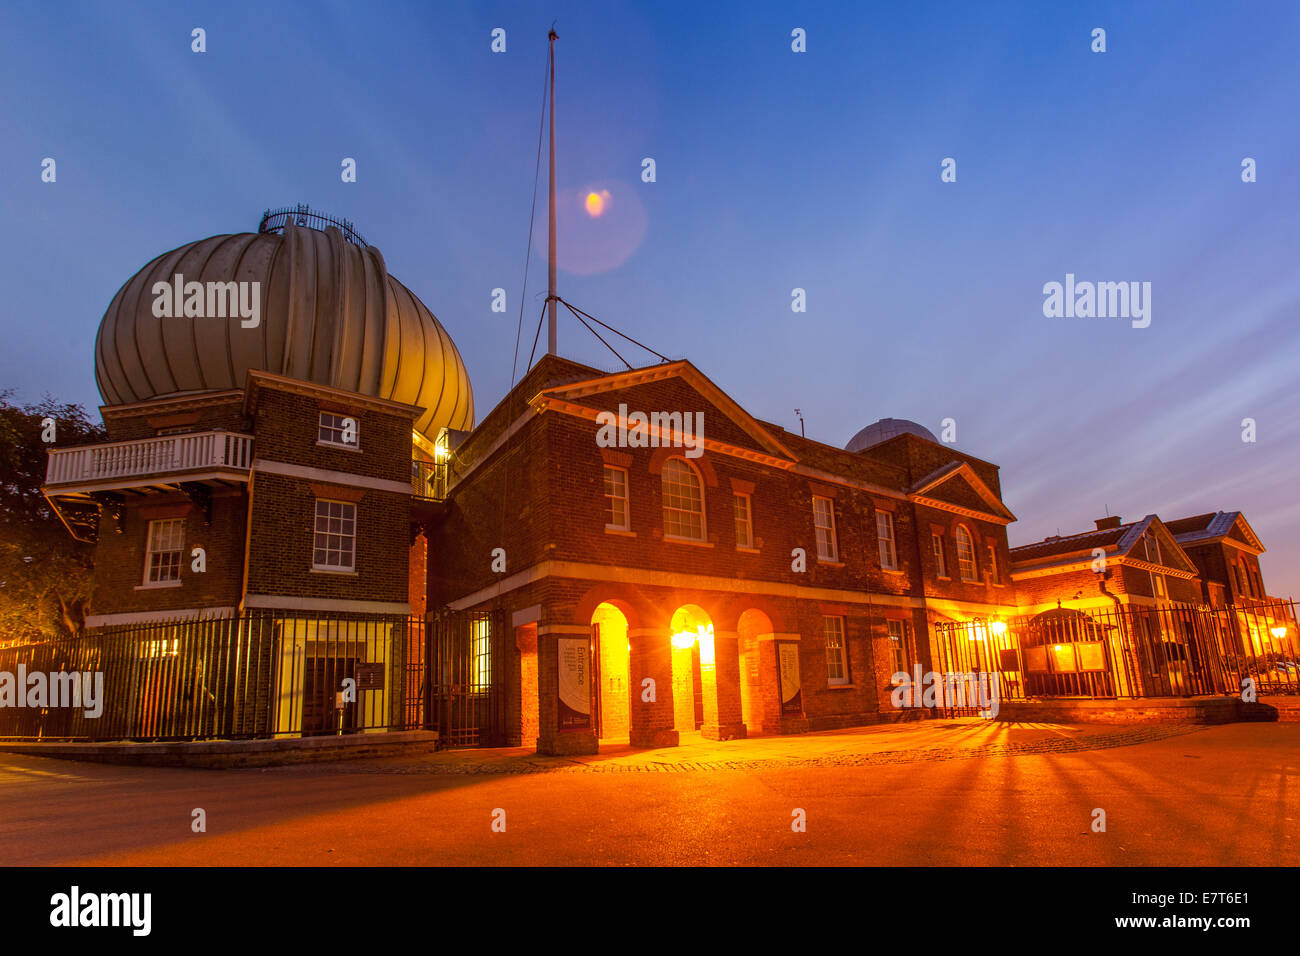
{"x": 963, "y": 793}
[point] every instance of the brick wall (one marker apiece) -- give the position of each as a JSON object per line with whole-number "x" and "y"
{"x": 224, "y": 414}
{"x": 121, "y": 550}
{"x": 280, "y": 554}
{"x": 286, "y": 430}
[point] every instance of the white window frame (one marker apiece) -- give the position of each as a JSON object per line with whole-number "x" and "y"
{"x": 829, "y": 530}
{"x": 169, "y": 526}
{"x": 747, "y": 523}
{"x": 625, "y": 498}
{"x": 347, "y": 513}
{"x": 974, "y": 575}
{"x": 940, "y": 560}
{"x": 837, "y": 653}
{"x": 898, "y": 643}
{"x": 1159, "y": 588}
{"x": 677, "y": 510}
{"x": 330, "y": 423}
{"x": 885, "y": 540}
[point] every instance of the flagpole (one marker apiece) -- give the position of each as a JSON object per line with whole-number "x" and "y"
{"x": 551, "y": 298}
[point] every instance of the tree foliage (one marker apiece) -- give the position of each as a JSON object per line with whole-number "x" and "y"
{"x": 45, "y": 572}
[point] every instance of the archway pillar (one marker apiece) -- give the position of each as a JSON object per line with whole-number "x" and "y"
{"x": 575, "y": 641}
{"x": 720, "y": 677}
{"x": 650, "y": 657}
{"x": 765, "y": 703}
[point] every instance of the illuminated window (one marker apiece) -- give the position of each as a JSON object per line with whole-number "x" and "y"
{"x": 837, "y": 664}
{"x": 824, "y": 522}
{"x": 885, "y": 538}
{"x": 334, "y": 548}
{"x": 898, "y": 644}
{"x": 683, "y": 501}
{"x": 966, "y": 555}
{"x": 339, "y": 430}
{"x": 159, "y": 648}
{"x": 616, "y": 510}
{"x": 940, "y": 565}
{"x": 993, "y": 563}
{"x": 166, "y": 545}
{"x": 744, "y": 523}
{"x": 481, "y": 649}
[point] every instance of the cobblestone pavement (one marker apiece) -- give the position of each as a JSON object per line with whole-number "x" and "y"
{"x": 949, "y": 740}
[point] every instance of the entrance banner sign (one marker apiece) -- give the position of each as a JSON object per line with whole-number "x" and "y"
{"x": 791, "y": 686}
{"x": 573, "y": 688}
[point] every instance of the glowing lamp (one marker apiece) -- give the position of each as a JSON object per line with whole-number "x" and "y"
{"x": 999, "y": 628}
{"x": 683, "y": 640}
{"x": 1279, "y": 632}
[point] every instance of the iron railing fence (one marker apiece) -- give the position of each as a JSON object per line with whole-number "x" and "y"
{"x": 428, "y": 480}
{"x": 274, "y": 220}
{"x": 263, "y": 675}
{"x": 465, "y": 671}
{"x": 1128, "y": 651}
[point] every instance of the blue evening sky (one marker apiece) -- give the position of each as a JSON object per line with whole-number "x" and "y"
{"x": 775, "y": 170}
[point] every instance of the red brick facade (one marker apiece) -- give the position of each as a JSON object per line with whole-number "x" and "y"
{"x": 530, "y": 481}
{"x": 716, "y": 631}
{"x": 257, "y": 534}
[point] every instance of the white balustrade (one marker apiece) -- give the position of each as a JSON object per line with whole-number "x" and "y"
{"x": 150, "y": 456}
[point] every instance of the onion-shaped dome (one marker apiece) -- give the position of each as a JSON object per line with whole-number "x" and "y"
{"x": 329, "y": 313}
{"x": 886, "y": 429}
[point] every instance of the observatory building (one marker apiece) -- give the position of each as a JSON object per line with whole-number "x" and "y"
{"x": 302, "y": 530}
{"x": 276, "y": 473}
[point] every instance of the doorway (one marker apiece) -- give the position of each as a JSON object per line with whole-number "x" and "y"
{"x": 610, "y": 653}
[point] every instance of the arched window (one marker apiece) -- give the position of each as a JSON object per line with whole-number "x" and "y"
{"x": 683, "y": 500}
{"x": 966, "y": 555}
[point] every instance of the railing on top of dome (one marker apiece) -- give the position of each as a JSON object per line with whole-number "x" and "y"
{"x": 274, "y": 220}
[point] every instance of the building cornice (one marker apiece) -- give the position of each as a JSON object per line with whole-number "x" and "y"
{"x": 270, "y": 467}
{"x": 941, "y": 505}
{"x": 1026, "y": 574}
{"x": 578, "y": 570}
{"x": 673, "y": 438}
{"x": 184, "y": 402}
{"x": 281, "y": 383}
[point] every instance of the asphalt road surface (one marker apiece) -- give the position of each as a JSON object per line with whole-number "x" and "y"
{"x": 950, "y": 794}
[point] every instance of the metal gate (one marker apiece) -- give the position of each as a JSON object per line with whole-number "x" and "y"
{"x": 1125, "y": 652}
{"x": 463, "y": 678}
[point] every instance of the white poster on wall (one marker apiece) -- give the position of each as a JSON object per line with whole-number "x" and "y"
{"x": 574, "y": 684}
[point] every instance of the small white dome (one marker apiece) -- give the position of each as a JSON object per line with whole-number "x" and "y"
{"x": 886, "y": 429}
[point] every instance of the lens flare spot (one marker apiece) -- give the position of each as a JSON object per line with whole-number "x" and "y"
{"x": 597, "y": 202}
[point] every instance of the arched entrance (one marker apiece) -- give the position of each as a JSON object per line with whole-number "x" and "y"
{"x": 692, "y": 642}
{"x": 609, "y": 655}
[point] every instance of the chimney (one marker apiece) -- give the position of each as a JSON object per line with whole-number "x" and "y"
{"x": 1107, "y": 523}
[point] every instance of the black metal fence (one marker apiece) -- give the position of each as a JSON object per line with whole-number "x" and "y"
{"x": 262, "y": 675}
{"x": 1129, "y": 651}
{"x": 274, "y": 220}
{"x": 428, "y": 480}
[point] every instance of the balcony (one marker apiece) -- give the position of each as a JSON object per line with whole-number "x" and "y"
{"x": 428, "y": 480}
{"x": 160, "y": 463}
